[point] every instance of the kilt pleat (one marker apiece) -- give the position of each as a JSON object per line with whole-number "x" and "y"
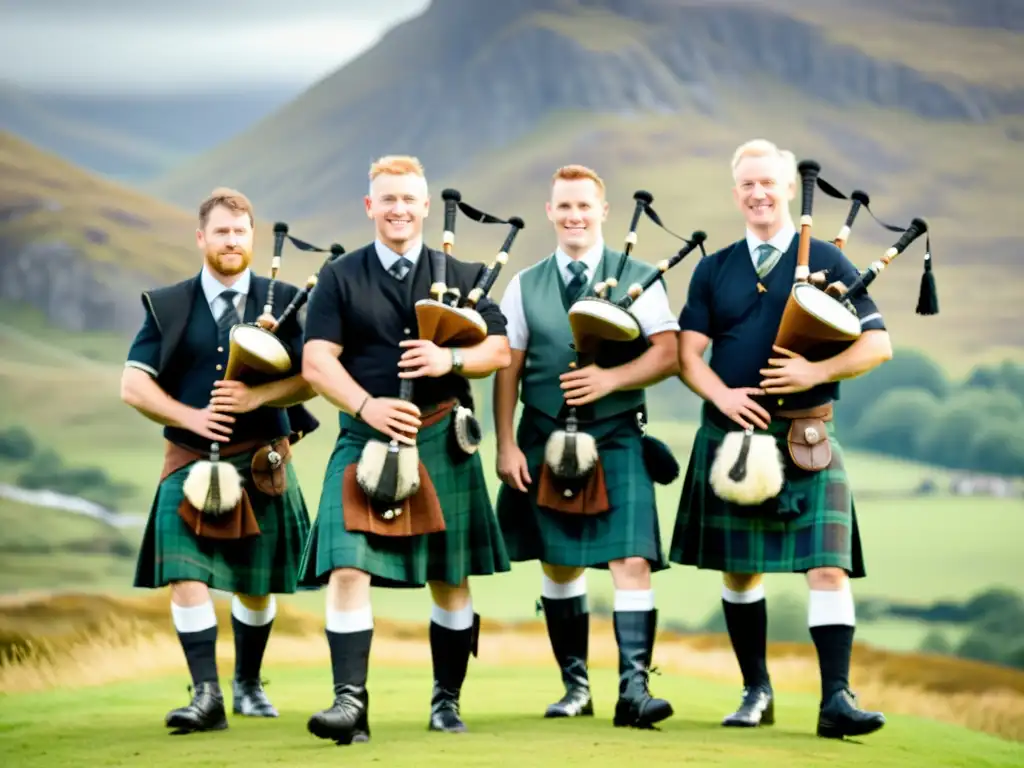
{"x": 812, "y": 523}
{"x": 628, "y": 529}
{"x": 257, "y": 565}
{"x": 470, "y": 545}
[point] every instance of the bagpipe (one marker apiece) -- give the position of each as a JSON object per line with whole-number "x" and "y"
{"x": 388, "y": 472}
{"x": 820, "y": 320}
{"x": 608, "y": 333}
{"x": 214, "y": 486}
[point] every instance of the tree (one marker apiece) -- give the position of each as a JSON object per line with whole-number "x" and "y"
{"x": 16, "y": 444}
{"x": 998, "y": 448}
{"x": 945, "y": 439}
{"x": 893, "y": 424}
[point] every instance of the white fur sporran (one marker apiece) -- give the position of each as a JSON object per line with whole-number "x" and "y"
{"x": 213, "y": 487}
{"x": 748, "y": 469}
{"x": 389, "y": 473}
{"x": 571, "y": 454}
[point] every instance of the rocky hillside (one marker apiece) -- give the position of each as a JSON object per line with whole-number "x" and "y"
{"x": 471, "y": 78}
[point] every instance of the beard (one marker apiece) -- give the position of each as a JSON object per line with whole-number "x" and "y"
{"x": 229, "y": 263}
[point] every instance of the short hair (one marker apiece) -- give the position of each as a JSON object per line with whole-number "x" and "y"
{"x": 765, "y": 148}
{"x": 396, "y": 165}
{"x": 577, "y": 172}
{"x": 229, "y": 198}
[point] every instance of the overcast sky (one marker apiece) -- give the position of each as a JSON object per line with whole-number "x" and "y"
{"x": 119, "y": 46}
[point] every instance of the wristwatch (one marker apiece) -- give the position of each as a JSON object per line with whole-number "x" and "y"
{"x": 456, "y": 361}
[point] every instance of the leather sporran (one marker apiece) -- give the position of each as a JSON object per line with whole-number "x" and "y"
{"x": 569, "y": 496}
{"x": 269, "y": 467}
{"x": 809, "y": 444}
{"x": 419, "y": 514}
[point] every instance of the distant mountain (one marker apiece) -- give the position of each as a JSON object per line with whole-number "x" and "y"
{"x": 131, "y": 137}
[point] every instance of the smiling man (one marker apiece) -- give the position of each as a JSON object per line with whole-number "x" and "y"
{"x": 362, "y": 340}
{"x": 735, "y": 303}
{"x": 624, "y": 538}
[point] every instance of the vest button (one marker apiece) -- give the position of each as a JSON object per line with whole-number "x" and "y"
{"x": 220, "y": 367}
{"x": 406, "y": 331}
{"x": 220, "y": 349}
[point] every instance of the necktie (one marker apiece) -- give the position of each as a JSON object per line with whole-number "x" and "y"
{"x": 400, "y": 268}
{"x": 579, "y": 279}
{"x": 229, "y": 315}
{"x": 767, "y": 257}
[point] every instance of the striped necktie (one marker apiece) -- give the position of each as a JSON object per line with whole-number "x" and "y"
{"x": 229, "y": 315}
{"x": 400, "y": 268}
{"x": 767, "y": 257}
{"x": 579, "y": 279}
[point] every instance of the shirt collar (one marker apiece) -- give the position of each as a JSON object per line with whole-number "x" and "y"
{"x": 212, "y": 287}
{"x": 388, "y": 257}
{"x": 591, "y": 258}
{"x": 782, "y": 239}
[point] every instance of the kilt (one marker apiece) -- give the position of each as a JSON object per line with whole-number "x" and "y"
{"x": 470, "y": 545}
{"x": 256, "y": 565}
{"x": 812, "y": 523}
{"x": 628, "y": 529}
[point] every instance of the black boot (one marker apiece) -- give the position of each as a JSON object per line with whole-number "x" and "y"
{"x": 249, "y": 698}
{"x": 568, "y": 626}
{"x": 347, "y": 720}
{"x": 450, "y": 650}
{"x": 756, "y": 708}
{"x": 204, "y": 713}
{"x": 748, "y": 632}
{"x": 634, "y": 632}
{"x": 840, "y": 716}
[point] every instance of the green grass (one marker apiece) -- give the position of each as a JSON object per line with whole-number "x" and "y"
{"x": 122, "y": 724}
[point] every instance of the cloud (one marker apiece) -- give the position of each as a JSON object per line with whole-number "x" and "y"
{"x": 122, "y": 46}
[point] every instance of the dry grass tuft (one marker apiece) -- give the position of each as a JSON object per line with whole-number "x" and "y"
{"x": 84, "y": 640}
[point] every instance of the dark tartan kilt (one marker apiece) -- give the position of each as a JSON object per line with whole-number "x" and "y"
{"x": 812, "y": 523}
{"x": 470, "y": 545}
{"x": 628, "y": 529}
{"x": 256, "y": 565}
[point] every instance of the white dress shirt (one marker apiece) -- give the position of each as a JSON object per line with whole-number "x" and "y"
{"x": 781, "y": 241}
{"x": 388, "y": 257}
{"x": 651, "y": 310}
{"x": 213, "y": 288}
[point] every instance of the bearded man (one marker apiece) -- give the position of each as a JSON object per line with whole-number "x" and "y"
{"x": 173, "y": 376}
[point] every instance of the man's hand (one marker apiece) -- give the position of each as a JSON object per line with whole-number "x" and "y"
{"x": 233, "y": 397}
{"x": 587, "y": 384}
{"x": 793, "y": 373}
{"x": 512, "y": 467}
{"x": 423, "y": 358}
{"x": 737, "y": 405}
{"x": 215, "y": 427}
{"x": 398, "y": 419}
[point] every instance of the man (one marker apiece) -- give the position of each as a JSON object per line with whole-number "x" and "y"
{"x": 173, "y": 377}
{"x": 735, "y": 303}
{"x": 361, "y": 342}
{"x": 624, "y": 539}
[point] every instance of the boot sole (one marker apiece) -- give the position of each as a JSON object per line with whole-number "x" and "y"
{"x": 182, "y": 727}
{"x": 624, "y": 721}
{"x": 829, "y": 730}
{"x": 340, "y": 736}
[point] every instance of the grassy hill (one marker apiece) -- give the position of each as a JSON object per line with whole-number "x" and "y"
{"x": 111, "y": 668}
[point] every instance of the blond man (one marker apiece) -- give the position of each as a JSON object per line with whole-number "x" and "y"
{"x": 735, "y": 304}
{"x": 173, "y": 377}
{"x": 362, "y": 340}
{"x": 624, "y": 539}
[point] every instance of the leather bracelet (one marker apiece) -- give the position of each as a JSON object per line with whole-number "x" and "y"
{"x": 363, "y": 405}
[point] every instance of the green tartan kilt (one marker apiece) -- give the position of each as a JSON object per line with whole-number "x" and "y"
{"x": 256, "y": 565}
{"x": 812, "y": 523}
{"x": 628, "y": 529}
{"x": 470, "y": 545}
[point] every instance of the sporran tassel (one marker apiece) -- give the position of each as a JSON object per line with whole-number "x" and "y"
{"x": 928, "y": 298}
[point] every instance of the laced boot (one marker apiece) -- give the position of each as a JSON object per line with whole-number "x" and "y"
{"x": 636, "y": 707}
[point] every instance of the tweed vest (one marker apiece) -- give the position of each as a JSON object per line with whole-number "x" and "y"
{"x": 550, "y": 351}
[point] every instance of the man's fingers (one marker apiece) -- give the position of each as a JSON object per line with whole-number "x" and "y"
{"x": 752, "y": 415}
{"x": 404, "y": 418}
{"x": 406, "y": 407}
{"x": 221, "y": 417}
{"x": 524, "y": 475}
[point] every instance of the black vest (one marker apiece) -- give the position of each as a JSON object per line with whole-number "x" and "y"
{"x": 192, "y": 358}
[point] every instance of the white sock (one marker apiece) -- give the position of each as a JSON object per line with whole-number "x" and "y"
{"x": 743, "y": 598}
{"x": 555, "y": 591}
{"x": 195, "y": 618}
{"x": 453, "y": 620}
{"x": 253, "y": 618}
{"x": 831, "y": 607}
{"x": 358, "y": 620}
{"x": 634, "y": 600}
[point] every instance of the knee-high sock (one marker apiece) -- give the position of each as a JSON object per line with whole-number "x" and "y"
{"x": 568, "y": 622}
{"x": 746, "y": 618}
{"x": 831, "y": 618}
{"x": 451, "y": 642}
{"x": 252, "y": 631}
{"x": 349, "y": 636}
{"x": 197, "y": 632}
